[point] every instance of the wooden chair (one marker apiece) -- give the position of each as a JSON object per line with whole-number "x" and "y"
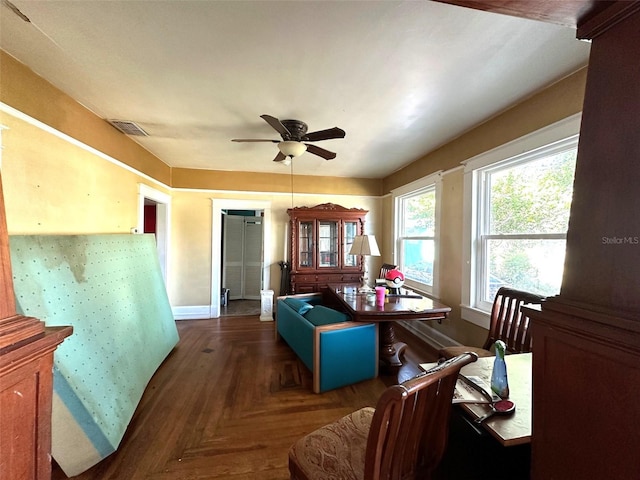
{"x": 508, "y": 323}
{"x": 386, "y": 268}
{"x": 404, "y": 437}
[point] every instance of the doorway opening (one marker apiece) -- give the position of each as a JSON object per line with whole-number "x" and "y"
{"x": 154, "y": 212}
{"x": 260, "y": 270}
{"x": 242, "y": 236}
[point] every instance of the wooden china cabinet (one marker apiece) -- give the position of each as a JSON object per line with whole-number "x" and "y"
{"x": 321, "y": 238}
{"x": 26, "y": 380}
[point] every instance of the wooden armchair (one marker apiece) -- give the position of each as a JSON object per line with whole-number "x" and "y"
{"x": 508, "y": 323}
{"x": 404, "y": 437}
{"x": 386, "y": 268}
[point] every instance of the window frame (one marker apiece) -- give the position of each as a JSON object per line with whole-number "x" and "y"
{"x": 556, "y": 138}
{"x": 426, "y": 184}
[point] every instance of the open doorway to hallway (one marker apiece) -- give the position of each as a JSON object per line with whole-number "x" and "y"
{"x": 263, "y": 273}
{"x": 242, "y": 254}
{"x": 241, "y": 259}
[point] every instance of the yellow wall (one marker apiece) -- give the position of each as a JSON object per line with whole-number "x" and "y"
{"x": 450, "y": 268}
{"x": 30, "y": 94}
{"x": 52, "y": 186}
{"x": 272, "y": 182}
{"x": 192, "y": 235}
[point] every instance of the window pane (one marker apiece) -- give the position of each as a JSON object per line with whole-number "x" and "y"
{"x": 350, "y": 231}
{"x": 417, "y": 260}
{"x": 306, "y": 244}
{"x": 533, "y": 197}
{"x": 531, "y": 265}
{"x": 328, "y": 244}
{"x": 419, "y": 215}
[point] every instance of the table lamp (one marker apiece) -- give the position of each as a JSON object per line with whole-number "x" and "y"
{"x": 364, "y": 245}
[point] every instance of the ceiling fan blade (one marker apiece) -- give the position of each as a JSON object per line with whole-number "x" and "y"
{"x": 276, "y": 124}
{"x": 280, "y": 157}
{"x": 253, "y": 140}
{"x": 334, "y": 132}
{"x": 321, "y": 152}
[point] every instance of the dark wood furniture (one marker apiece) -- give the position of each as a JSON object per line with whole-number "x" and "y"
{"x": 26, "y": 380}
{"x": 586, "y": 357}
{"x": 321, "y": 238}
{"x": 403, "y": 437}
{"x": 508, "y": 323}
{"x": 514, "y": 429}
{"x": 363, "y": 308}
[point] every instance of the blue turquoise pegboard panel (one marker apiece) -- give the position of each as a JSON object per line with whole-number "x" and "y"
{"x": 110, "y": 289}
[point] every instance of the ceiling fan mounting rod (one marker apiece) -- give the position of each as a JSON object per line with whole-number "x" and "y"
{"x": 296, "y": 128}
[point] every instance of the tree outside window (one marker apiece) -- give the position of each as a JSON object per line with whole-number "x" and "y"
{"x": 526, "y": 215}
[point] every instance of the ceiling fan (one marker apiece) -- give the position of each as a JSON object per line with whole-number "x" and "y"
{"x": 294, "y": 135}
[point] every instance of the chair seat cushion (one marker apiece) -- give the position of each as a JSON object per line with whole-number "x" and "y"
{"x": 450, "y": 352}
{"x": 335, "y": 451}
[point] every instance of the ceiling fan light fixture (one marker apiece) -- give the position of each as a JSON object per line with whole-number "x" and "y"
{"x": 292, "y": 149}
{"x": 286, "y": 162}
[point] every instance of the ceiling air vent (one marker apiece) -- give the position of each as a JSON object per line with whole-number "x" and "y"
{"x": 128, "y": 128}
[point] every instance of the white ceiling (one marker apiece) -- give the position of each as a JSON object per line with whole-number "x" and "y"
{"x": 400, "y": 77}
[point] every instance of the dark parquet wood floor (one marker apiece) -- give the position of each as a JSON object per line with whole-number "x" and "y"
{"x": 228, "y": 403}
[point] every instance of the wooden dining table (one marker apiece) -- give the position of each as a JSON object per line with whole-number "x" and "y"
{"x": 514, "y": 429}
{"x": 406, "y": 305}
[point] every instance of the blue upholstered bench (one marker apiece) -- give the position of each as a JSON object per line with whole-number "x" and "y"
{"x": 338, "y": 352}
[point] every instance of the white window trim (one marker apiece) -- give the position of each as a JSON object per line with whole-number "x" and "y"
{"x": 555, "y": 136}
{"x": 433, "y": 180}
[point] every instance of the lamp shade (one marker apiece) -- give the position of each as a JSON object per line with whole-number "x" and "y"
{"x": 364, "y": 245}
{"x": 292, "y": 149}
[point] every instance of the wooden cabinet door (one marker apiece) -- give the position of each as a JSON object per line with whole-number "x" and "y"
{"x": 305, "y": 251}
{"x": 328, "y": 251}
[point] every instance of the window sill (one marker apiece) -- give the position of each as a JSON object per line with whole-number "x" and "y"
{"x": 420, "y": 291}
{"x": 475, "y": 316}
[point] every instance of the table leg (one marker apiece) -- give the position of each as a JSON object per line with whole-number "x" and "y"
{"x": 390, "y": 350}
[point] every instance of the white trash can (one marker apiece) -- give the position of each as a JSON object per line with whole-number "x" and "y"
{"x": 266, "y": 305}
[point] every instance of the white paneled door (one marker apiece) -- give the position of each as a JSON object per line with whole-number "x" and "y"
{"x": 242, "y": 256}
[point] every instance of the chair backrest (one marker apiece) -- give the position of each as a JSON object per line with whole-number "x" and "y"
{"x": 386, "y": 268}
{"x": 508, "y": 322}
{"x": 410, "y": 426}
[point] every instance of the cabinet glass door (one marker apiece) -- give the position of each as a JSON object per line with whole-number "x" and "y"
{"x": 305, "y": 244}
{"x": 350, "y": 231}
{"x": 327, "y": 243}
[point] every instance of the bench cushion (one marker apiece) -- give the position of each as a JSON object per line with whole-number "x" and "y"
{"x": 321, "y": 315}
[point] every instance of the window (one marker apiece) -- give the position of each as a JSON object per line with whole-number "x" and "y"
{"x": 518, "y": 218}
{"x": 416, "y": 242}
{"x": 524, "y": 209}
